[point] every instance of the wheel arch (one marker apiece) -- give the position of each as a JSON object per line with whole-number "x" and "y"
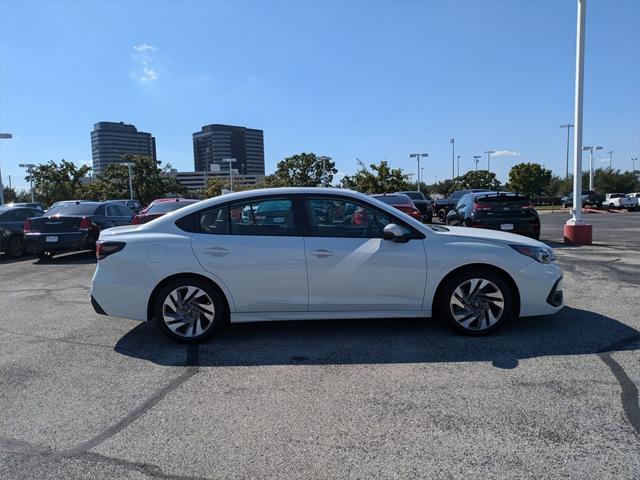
{"x": 486, "y": 266}
{"x": 152, "y": 298}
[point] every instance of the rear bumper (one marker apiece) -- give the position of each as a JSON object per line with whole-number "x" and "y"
{"x": 528, "y": 228}
{"x": 39, "y": 242}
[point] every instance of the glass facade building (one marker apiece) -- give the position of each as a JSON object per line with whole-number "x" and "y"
{"x": 111, "y": 140}
{"x": 214, "y": 143}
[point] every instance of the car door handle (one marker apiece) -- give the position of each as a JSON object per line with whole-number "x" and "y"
{"x": 321, "y": 253}
{"x": 217, "y": 251}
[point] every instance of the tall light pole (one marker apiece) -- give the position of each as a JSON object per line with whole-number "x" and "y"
{"x": 29, "y": 166}
{"x": 324, "y": 169}
{"x": 591, "y": 149}
{"x": 633, "y": 162}
{"x": 129, "y": 164}
{"x": 458, "y": 165}
{"x": 417, "y": 157}
{"x": 610, "y": 152}
{"x": 568, "y": 126}
{"x": 477, "y": 158}
{"x": 453, "y": 156}
{"x": 230, "y": 161}
{"x": 489, "y": 152}
{"x": 3, "y": 136}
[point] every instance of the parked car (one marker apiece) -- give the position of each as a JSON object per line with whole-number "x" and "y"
{"x": 509, "y": 212}
{"x": 635, "y": 196}
{"x": 425, "y": 205}
{"x": 160, "y": 209}
{"x": 619, "y": 200}
{"x": 12, "y": 220}
{"x": 134, "y": 205}
{"x": 442, "y": 206}
{"x": 28, "y": 205}
{"x": 401, "y": 202}
{"x": 199, "y": 267}
{"x": 73, "y": 226}
{"x": 159, "y": 200}
{"x": 589, "y": 199}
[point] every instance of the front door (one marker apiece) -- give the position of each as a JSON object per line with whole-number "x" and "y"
{"x": 255, "y": 249}
{"x": 351, "y": 267}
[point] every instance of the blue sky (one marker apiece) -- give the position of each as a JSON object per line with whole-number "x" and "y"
{"x": 367, "y": 80}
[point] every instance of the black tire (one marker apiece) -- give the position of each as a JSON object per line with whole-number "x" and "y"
{"x": 199, "y": 319}
{"x": 15, "y": 247}
{"x": 478, "y": 324}
{"x": 441, "y": 215}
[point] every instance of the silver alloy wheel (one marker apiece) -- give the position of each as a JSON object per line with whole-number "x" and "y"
{"x": 188, "y": 311}
{"x": 476, "y": 304}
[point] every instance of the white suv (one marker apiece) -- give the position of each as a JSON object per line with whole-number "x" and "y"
{"x": 635, "y": 200}
{"x": 618, "y": 200}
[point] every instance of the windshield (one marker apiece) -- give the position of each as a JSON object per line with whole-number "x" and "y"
{"x": 72, "y": 209}
{"x": 415, "y": 195}
{"x": 393, "y": 199}
{"x": 165, "y": 207}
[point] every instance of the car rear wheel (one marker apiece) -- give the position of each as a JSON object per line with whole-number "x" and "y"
{"x": 189, "y": 310}
{"x": 15, "y": 248}
{"x": 476, "y": 302}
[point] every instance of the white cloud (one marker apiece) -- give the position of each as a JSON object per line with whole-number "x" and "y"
{"x": 144, "y": 47}
{"x": 505, "y": 153}
{"x": 144, "y": 70}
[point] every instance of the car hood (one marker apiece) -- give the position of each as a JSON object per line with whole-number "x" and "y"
{"x": 485, "y": 235}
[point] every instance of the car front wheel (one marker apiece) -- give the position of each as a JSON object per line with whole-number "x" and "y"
{"x": 476, "y": 302}
{"x": 189, "y": 310}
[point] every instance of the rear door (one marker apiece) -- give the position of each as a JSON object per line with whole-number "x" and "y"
{"x": 256, "y": 249}
{"x": 350, "y": 266}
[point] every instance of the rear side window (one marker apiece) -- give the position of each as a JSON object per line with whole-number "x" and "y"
{"x": 270, "y": 217}
{"x": 112, "y": 211}
{"x": 214, "y": 221}
{"x": 124, "y": 211}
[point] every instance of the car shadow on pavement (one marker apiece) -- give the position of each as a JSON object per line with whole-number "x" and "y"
{"x": 70, "y": 258}
{"x": 335, "y": 342}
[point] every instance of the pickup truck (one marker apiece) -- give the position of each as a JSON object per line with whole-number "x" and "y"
{"x": 443, "y": 205}
{"x": 635, "y": 197}
{"x": 619, "y": 200}
{"x": 589, "y": 199}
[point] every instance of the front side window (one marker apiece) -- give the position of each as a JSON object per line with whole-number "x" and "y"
{"x": 263, "y": 217}
{"x": 334, "y": 217}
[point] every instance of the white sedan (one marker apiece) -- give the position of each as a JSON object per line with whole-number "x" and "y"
{"x": 316, "y": 253}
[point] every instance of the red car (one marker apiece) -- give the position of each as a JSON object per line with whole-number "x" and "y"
{"x": 400, "y": 201}
{"x": 160, "y": 207}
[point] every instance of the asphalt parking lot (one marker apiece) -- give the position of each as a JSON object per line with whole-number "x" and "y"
{"x": 86, "y": 396}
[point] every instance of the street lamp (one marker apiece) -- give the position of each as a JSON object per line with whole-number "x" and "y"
{"x": 230, "y": 161}
{"x": 489, "y": 152}
{"x": 477, "y": 158}
{"x": 417, "y": 157}
{"x": 568, "y": 126}
{"x": 324, "y": 169}
{"x": 29, "y": 166}
{"x": 591, "y": 149}
{"x": 129, "y": 165}
{"x": 458, "y": 165}
{"x": 610, "y": 152}
{"x": 3, "y": 136}
{"x": 633, "y": 162}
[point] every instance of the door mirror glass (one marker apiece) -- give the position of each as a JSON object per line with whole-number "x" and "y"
{"x": 395, "y": 233}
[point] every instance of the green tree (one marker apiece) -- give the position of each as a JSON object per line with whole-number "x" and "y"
{"x": 301, "y": 170}
{"x": 559, "y": 187}
{"x": 445, "y": 187}
{"x": 9, "y": 194}
{"x": 607, "y": 180}
{"x": 148, "y": 179}
{"x": 53, "y": 182}
{"x": 529, "y": 178}
{"x": 478, "y": 179}
{"x": 380, "y": 179}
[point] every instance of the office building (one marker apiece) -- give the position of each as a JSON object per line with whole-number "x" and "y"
{"x": 194, "y": 181}
{"x": 215, "y": 143}
{"x": 111, "y": 140}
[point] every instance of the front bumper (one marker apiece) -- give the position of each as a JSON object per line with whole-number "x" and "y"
{"x": 541, "y": 289}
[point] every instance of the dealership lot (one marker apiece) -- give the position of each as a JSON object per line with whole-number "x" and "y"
{"x": 96, "y": 397}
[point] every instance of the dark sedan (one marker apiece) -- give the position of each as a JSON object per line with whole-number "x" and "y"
{"x": 509, "y": 212}
{"x": 73, "y": 226}
{"x": 12, "y": 220}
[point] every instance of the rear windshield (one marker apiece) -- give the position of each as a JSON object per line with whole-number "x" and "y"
{"x": 415, "y": 195}
{"x": 72, "y": 209}
{"x": 393, "y": 199}
{"x": 503, "y": 199}
{"x": 165, "y": 207}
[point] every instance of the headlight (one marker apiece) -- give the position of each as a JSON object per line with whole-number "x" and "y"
{"x": 540, "y": 254}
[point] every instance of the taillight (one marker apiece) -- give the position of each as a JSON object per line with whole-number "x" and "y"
{"x": 135, "y": 220}
{"x": 527, "y": 206}
{"x": 481, "y": 206}
{"x": 415, "y": 213}
{"x": 104, "y": 249}
{"x": 27, "y": 226}
{"x": 85, "y": 224}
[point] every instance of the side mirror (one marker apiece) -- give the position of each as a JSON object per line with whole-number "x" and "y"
{"x": 394, "y": 233}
